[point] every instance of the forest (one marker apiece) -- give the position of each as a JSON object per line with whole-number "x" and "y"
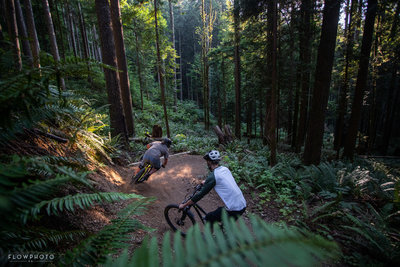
{"x": 301, "y": 98}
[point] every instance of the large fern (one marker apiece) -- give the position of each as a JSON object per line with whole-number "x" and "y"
{"x": 237, "y": 244}
{"x": 30, "y": 190}
{"x": 109, "y": 240}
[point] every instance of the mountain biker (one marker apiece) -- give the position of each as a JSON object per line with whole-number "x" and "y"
{"x": 155, "y": 151}
{"x": 222, "y": 181}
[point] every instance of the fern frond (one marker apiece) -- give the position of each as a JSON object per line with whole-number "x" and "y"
{"x": 83, "y": 201}
{"x": 112, "y": 237}
{"x": 237, "y": 245}
{"x": 31, "y": 193}
{"x": 38, "y": 238}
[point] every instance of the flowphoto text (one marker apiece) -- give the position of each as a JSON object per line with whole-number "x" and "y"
{"x": 31, "y": 257}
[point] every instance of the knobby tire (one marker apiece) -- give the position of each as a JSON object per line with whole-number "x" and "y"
{"x": 173, "y": 215}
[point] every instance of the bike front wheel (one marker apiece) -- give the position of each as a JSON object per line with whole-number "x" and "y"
{"x": 139, "y": 177}
{"x": 177, "y": 219}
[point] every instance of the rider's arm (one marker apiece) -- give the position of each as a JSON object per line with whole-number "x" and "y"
{"x": 208, "y": 185}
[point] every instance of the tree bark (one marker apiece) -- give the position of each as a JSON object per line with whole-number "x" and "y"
{"x": 361, "y": 83}
{"x": 339, "y": 129}
{"x": 326, "y": 51}
{"x": 392, "y": 98}
{"x": 53, "y": 41}
{"x": 122, "y": 66}
{"x": 117, "y": 119}
{"x": 305, "y": 58}
{"x": 160, "y": 71}
{"x": 84, "y": 37}
{"x": 171, "y": 21}
{"x": 32, "y": 33}
{"x": 26, "y": 48}
{"x": 13, "y": 33}
{"x": 71, "y": 29}
{"x": 60, "y": 31}
{"x": 272, "y": 69}
{"x": 138, "y": 65}
{"x": 236, "y": 25}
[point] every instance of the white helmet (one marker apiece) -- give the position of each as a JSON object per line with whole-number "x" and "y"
{"x": 213, "y": 155}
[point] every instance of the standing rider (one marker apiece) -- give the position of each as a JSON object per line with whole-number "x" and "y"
{"x": 153, "y": 154}
{"x": 222, "y": 180}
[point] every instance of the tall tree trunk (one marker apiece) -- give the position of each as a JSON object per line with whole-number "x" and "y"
{"x": 326, "y": 51}
{"x": 60, "y": 30}
{"x": 373, "y": 109}
{"x": 53, "y": 41}
{"x": 272, "y": 73}
{"x": 236, "y": 26}
{"x": 171, "y": 21}
{"x": 160, "y": 71}
{"x": 138, "y": 65}
{"x": 26, "y": 48}
{"x": 71, "y": 28}
{"x": 296, "y": 107}
{"x": 85, "y": 41}
{"x": 204, "y": 65}
{"x": 122, "y": 66}
{"x": 221, "y": 84}
{"x": 181, "y": 69}
{"x": 117, "y": 119}
{"x": 361, "y": 84}
{"x": 305, "y": 58}
{"x": 13, "y": 32}
{"x": 339, "y": 129}
{"x": 392, "y": 98}
{"x": 32, "y": 33}
{"x": 82, "y": 27}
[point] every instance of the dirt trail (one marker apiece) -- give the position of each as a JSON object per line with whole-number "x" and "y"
{"x": 170, "y": 186}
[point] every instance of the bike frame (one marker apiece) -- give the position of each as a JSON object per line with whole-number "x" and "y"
{"x": 199, "y": 210}
{"x": 147, "y": 169}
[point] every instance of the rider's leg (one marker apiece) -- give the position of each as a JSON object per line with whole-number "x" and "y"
{"x": 214, "y": 216}
{"x": 155, "y": 163}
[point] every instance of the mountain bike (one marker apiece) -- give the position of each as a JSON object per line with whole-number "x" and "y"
{"x": 182, "y": 220}
{"x": 143, "y": 174}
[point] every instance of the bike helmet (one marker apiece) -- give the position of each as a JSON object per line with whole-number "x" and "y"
{"x": 213, "y": 155}
{"x": 167, "y": 142}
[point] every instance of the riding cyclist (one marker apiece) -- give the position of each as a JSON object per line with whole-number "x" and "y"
{"x": 222, "y": 181}
{"x": 153, "y": 154}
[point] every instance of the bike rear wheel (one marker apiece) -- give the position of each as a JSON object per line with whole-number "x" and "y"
{"x": 177, "y": 219}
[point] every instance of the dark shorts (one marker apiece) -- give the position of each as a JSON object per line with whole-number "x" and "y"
{"x": 153, "y": 161}
{"x": 216, "y": 215}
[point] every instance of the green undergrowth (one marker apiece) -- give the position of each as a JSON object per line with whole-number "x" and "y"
{"x": 354, "y": 203}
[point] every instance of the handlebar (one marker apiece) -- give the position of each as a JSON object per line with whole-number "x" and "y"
{"x": 196, "y": 189}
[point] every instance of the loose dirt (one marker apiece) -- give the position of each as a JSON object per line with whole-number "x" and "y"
{"x": 169, "y": 186}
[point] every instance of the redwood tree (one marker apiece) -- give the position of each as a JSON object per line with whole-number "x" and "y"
{"x": 23, "y": 32}
{"x": 52, "y": 37}
{"x": 30, "y": 23}
{"x": 361, "y": 83}
{"x": 122, "y": 66}
{"x": 326, "y": 50}
{"x": 160, "y": 71}
{"x": 339, "y": 128}
{"x": 272, "y": 69}
{"x": 13, "y": 32}
{"x": 236, "y": 25}
{"x": 305, "y": 61}
{"x": 117, "y": 118}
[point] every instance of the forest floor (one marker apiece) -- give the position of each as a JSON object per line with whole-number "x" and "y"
{"x": 169, "y": 186}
